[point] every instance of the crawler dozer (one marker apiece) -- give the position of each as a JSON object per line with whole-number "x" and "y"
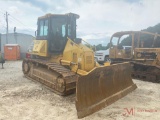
{"x": 60, "y": 61}
{"x": 145, "y": 58}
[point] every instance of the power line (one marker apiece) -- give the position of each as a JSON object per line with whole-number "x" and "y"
{"x": 2, "y": 23}
{"x": 13, "y": 20}
{"x": 19, "y": 21}
{"x": 1, "y": 12}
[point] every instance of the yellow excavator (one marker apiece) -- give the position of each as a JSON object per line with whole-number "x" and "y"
{"x": 62, "y": 63}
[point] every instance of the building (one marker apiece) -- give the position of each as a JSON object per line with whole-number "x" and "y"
{"x": 23, "y": 40}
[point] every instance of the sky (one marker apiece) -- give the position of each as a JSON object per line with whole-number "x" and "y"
{"x": 99, "y": 19}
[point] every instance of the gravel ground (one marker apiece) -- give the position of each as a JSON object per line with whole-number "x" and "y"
{"x": 23, "y": 99}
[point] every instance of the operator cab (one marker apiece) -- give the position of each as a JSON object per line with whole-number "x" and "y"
{"x": 55, "y": 29}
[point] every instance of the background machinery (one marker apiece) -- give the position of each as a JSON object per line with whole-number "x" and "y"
{"x": 145, "y": 58}
{"x": 60, "y": 61}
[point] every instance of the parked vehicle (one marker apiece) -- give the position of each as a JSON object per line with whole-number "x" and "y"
{"x": 101, "y": 56}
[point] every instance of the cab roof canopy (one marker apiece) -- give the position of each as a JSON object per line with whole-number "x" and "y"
{"x": 120, "y": 34}
{"x": 67, "y": 14}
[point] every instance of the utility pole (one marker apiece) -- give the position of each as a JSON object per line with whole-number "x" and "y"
{"x": 6, "y": 27}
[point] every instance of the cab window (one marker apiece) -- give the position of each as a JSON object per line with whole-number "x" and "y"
{"x": 43, "y": 26}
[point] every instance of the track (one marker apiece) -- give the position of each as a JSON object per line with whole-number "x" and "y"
{"x": 143, "y": 71}
{"x": 58, "y": 78}
{"x": 146, "y": 72}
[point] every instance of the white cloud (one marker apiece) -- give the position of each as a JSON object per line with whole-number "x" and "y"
{"x": 102, "y": 16}
{"x": 21, "y": 15}
{"x": 14, "y": 10}
{"x": 94, "y": 36}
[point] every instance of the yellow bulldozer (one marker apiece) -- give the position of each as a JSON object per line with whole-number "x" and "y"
{"x": 60, "y": 61}
{"x": 142, "y": 53}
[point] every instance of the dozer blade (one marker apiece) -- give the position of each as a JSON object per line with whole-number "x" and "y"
{"x": 102, "y": 87}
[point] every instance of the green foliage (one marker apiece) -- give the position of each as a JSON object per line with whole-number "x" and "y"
{"x": 97, "y": 47}
{"x": 92, "y": 47}
{"x": 100, "y": 47}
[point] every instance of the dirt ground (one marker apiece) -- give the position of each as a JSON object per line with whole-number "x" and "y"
{"x": 23, "y": 99}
